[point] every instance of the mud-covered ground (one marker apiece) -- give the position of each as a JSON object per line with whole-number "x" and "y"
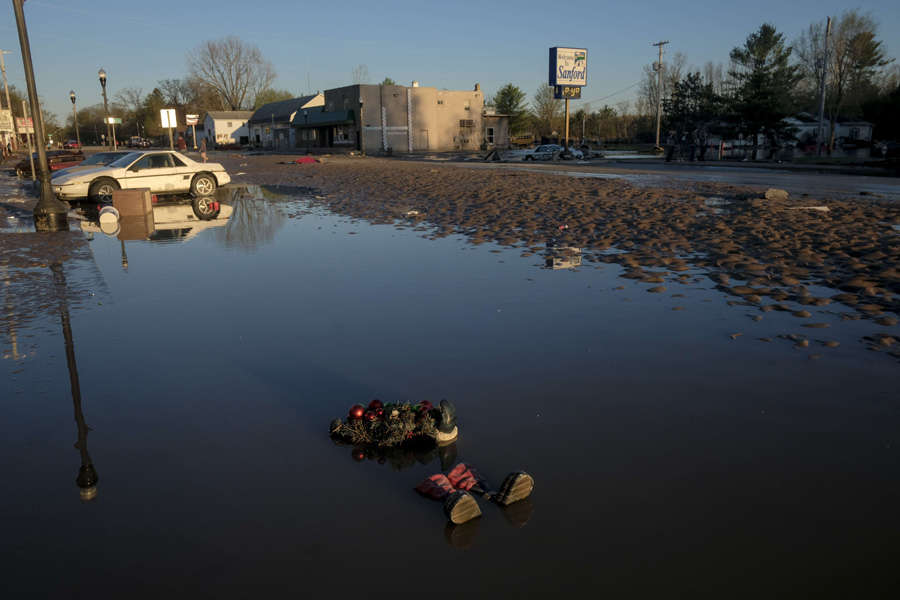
{"x": 764, "y": 252}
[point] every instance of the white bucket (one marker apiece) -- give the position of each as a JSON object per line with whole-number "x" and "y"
{"x": 109, "y": 220}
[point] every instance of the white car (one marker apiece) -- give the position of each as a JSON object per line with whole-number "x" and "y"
{"x": 163, "y": 171}
{"x": 548, "y": 151}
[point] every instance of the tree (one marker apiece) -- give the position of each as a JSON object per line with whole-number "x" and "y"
{"x": 765, "y": 82}
{"x": 510, "y": 100}
{"x": 547, "y": 111}
{"x": 647, "y": 92}
{"x": 271, "y": 95}
{"x": 855, "y": 59}
{"x": 237, "y": 71}
{"x": 693, "y": 110}
{"x": 388, "y": 81}
{"x": 360, "y": 74}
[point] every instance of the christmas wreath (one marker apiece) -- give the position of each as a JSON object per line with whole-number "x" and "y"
{"x": 386, "y": 425}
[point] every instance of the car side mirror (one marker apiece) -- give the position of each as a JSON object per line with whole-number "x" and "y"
{"x": 134, "y": 168}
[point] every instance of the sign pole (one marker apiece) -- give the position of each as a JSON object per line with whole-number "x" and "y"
{"x": 194, "y": 135}
{"x": 567, "y": 126}
{"x": 115, "y": 144}
{"x": 28, "y": 137}
{"x": 171, "y": 140}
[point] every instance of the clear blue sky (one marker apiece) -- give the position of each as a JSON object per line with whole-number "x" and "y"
{"x": 448, "y": 44}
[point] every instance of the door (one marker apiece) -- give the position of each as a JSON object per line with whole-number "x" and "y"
{"x": 152, "y": 171}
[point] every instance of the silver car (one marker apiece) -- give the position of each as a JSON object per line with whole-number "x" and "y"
{"x": 163, "y": 171}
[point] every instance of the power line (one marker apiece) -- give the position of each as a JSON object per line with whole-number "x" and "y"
{"x": 625, "y": 89}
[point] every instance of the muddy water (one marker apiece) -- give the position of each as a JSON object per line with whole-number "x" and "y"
{"x": 673, "y": 449}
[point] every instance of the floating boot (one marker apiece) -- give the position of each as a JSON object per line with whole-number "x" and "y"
{"x": 461, "y": 507}
{"x": 447, "y": 431}
{"x": 517, "y": 486}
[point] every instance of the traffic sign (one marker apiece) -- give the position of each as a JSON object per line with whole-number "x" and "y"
{"x": 114, "y": 120}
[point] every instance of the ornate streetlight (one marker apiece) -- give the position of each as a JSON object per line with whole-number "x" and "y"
{"x": 49, "y": 213}
{"x": 75, "y": 118}
{"x": 102, "y": 74}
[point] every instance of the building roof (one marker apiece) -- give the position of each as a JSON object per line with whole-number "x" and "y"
{"x": 319, "y": 118}
{"x": 280, "y": 111}
{"x": 237, "y": 115}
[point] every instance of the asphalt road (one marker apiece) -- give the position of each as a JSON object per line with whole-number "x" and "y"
{"x": 816, "y": 184}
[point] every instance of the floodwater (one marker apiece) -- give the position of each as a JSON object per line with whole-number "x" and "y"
{"x": 674, "y": 452}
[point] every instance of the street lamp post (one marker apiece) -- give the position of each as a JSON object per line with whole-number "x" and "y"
{"x": 75, "y": 118}
{"x": 49, "y": 212}
{"x": 102, "y": 74}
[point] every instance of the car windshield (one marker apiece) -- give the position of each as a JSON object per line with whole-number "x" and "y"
{"x": 102, "y": 158}
{"x": 126, "y": 160}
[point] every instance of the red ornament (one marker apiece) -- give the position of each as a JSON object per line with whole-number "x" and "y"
{"x": 426, "y": 405}
{"x": 358, "y": 455}
{"x": 379, "y": 412}
{"x": 356, "y": 411}
{"x": 376, "y": 404}
{"x": 370, "y": 415}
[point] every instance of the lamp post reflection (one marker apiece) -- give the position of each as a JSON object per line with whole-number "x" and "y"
{"x": 87, "y": 474}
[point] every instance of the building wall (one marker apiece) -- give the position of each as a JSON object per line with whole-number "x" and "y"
{"x": 501, "y": 131}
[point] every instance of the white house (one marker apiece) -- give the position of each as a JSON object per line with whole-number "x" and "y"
{"x": 223, "y": 127}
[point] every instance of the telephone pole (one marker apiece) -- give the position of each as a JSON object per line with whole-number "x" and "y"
{"x": 15, "y": 141}
{"x": 659, "y": 69}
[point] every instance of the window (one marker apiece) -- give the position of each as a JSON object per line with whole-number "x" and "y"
{"x": 440, "y": 101}
{"x": 466, "y": 123}
{"x": 152, "y": 161}
{"x": 229, "y": 123}
{"x": 490, "y": 135}
{"x": 178, "y": 162}
{"x": 466, "y": 106}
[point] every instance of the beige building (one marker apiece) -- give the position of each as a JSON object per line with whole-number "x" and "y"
{"x": 397, "y": 118}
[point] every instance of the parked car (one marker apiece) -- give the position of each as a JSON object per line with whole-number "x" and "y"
{"x": 137, "y": 141}
{"x": 548, "y": 151}
{"x": 164, "y": 172}
{"x": 72, "y": 145}
{"x": 96, "y": 160}
{"x": 56, "y": 160}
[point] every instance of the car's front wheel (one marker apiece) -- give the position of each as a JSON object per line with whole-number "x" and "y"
{"x": 203, "y": 184}
{"x": 102, "y": 190}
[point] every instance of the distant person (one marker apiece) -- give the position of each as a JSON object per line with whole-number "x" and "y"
{"x": 203, "y": 149}
{"x": 182, "y": 145}
{"x": 670, "y": 146}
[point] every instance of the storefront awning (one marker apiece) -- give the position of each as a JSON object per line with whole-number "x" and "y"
{"x": 315, "y": 118}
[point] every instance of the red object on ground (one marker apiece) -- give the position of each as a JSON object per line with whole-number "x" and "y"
{"x": 435, "y": 486}
{"x": 306, "y": 160}
{"x": 463, "y": 477}
{"x": 356, "y": 411}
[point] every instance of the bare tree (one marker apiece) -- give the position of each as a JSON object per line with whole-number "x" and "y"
{"x": 673, "y": 68}
{"x": 235, "y": 69}
{"x": 130, "y": 98}
{"x": 360, "y": 74}
{"x": 547, "y": 111}
{"x": 855, "y": 62}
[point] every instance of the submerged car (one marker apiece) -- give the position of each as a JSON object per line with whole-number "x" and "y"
{"x": 100, "y": 159}
{"x": 164, "y": 172}
{"x": 56, "y": 160}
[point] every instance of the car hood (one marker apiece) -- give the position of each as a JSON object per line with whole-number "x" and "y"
{"x": 85, "y": 175}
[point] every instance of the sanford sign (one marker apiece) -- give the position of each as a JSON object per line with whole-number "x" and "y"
{"x": 568, "y": 66}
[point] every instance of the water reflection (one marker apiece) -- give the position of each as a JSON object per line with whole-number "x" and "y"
{"x": 171, "y": 221}
{"x": 405, "y": 456}
{"x": 258, "y": 214}
{"x": 562, "y": 257}
{"x": 87, "y": 475}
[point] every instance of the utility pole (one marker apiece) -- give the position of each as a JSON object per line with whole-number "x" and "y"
{"x": 15, "y": 138}
{"x": 659, "y": 70}
{"x": 820, "y": 138}
{"x": 29, "y": 137}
